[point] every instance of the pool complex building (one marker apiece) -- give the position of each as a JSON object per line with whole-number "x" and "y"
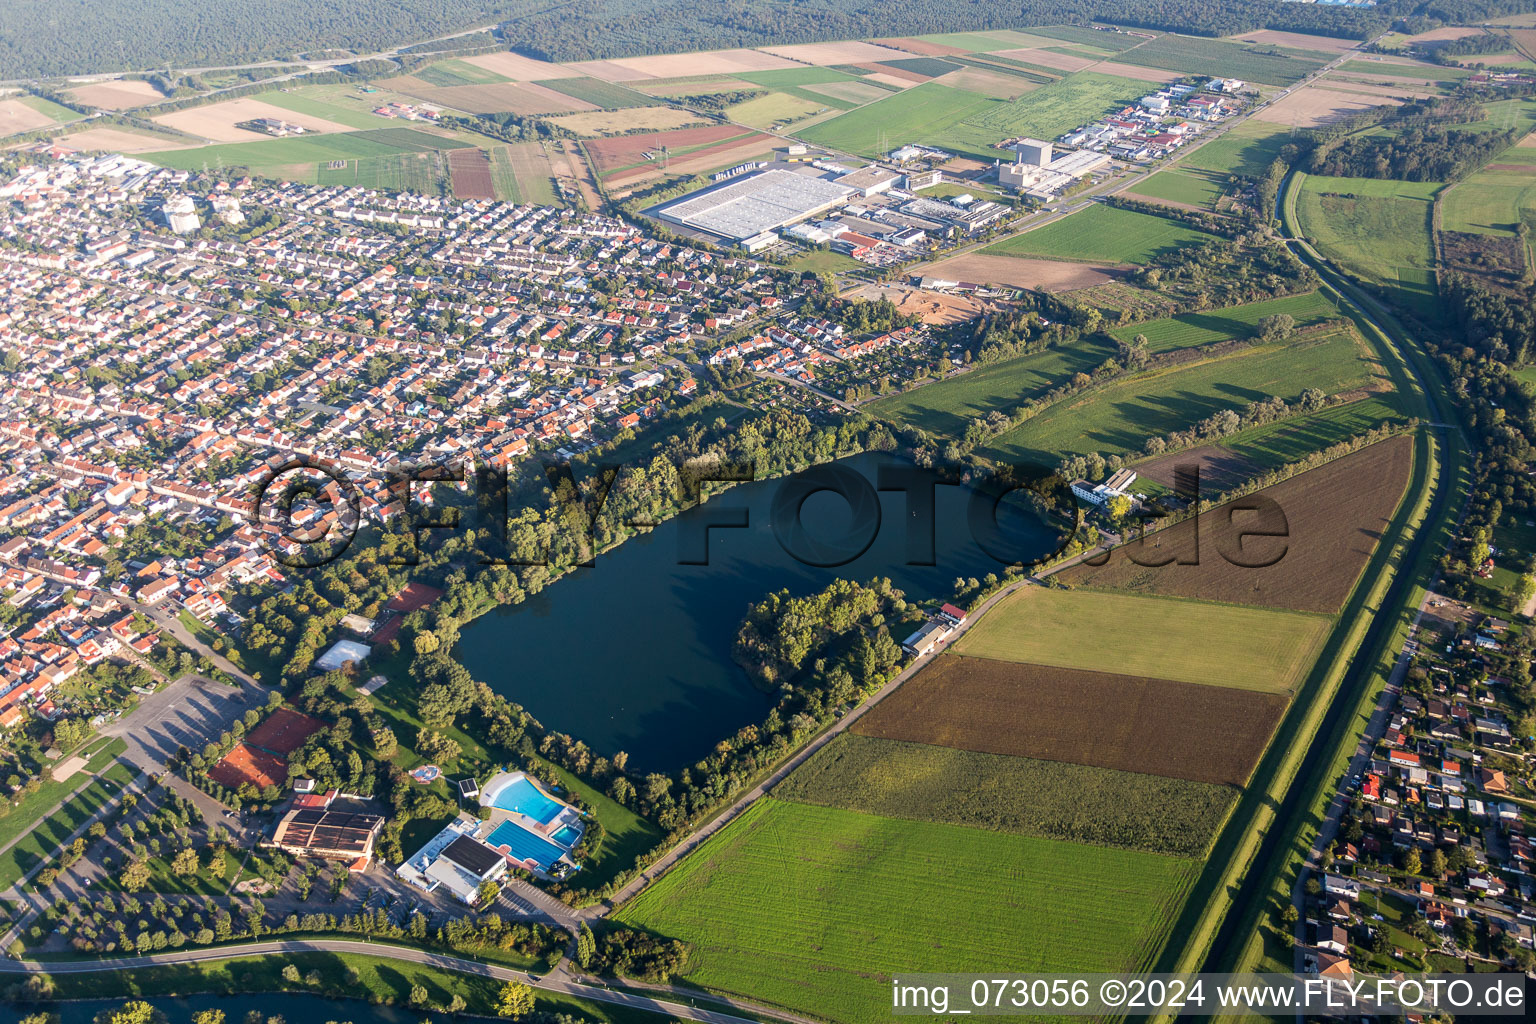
{"x": 528, "y": 825}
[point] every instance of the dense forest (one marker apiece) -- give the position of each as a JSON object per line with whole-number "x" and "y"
{"x": 1423, "y": 153}
{"x": 57, "y": 37}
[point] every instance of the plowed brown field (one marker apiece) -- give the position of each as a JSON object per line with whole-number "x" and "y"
{"x": 1332, "y": 516}
{"x": 1151, "y": 726}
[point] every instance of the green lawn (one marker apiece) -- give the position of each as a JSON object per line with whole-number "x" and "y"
{"x": 823, "y": 261}
{"x": 44, "y": 840}
{"x": 57, "y": 111}
{"x": 24, "y": 812}
{"x": 946, "y": 407}
{"x": 1119, "y": 417}
{"x": 1377, "y": 230}
{"x": 627, "y": 834}
{"x": 776, "y": 108}
{"x": 814, "y": 909}
{"x": 1161, "y": 637}
{"x": 1024, "y": 795}
{"x": 1102, "y": 233}
{"x": 1233, "y": 322}
{"x": 318, "y": 103}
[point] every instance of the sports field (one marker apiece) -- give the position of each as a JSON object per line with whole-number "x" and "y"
{"x": 1022, "y": 795}
{"x": 1233, "y": 322}
{"x": 1379, "y": 230}
{"x": 814, "y": 909}
{"x": 1101, "y": 232}
{"x": 1130, "y": 723}
{"x": 1099, "y": 631}
{"x": 947, "y": 407}
{"x": 1120, "y": 417}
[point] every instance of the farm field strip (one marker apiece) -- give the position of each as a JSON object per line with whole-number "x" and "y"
{"x": 1119, "y": 417}
{"x": 1180, "y": 730}
{"x": 1008, "y": 793}
{"x": 1333, "y": 515}
{"x": 813, "y": 908}
{"x": 1203, "y": 328}
{"x": 1159, "y": 637}
{"x": 1187, "y": 54}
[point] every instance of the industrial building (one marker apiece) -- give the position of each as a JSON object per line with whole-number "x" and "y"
{"x": 969, "y": 217}
{"x": 1033, "y": 152}
{"x": 746, "y": 209}
{"x": 870, "y": 180}
{"x": 1045, "y": 182}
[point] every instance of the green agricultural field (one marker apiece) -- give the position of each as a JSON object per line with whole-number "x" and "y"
{"x": 813, "y": 909}
{"x": 1377, "y": 230}
{"x": 947, "y": 407}
{"x": 304, "y": 149}
{"x": 1247, "y": 149}
{"x": 786, "y": 77}
{"x": 1161, "y": 637}
{"x": 1189, "y": 186}
{"x": 1043, "y": 113}
{"x": 1092, "y": 37}
{"x": 405, "y": 172}
{"x": 1102, "y": 233}
{"x": 988, "y": 42}
{"x": 322, "y": 101}
{"x": 1119, "y": 417}
{"x": 1025, "y": 795}
{"x": 57, "y": 111}
{"x": 1495, "y": 200}
{"x": 822, "y": 261}
{"x": 450, "y": 73}
{"x": 504, "y": 175}
{"x": 923, "y": 114}
{"x": 1199, "y": 55}
{"x": 1275, "y": 444}
{"x": 599, "y": 93}
{"x": 1190, "y": 329}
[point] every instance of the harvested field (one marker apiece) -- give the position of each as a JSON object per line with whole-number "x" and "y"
{"x": 519, "y": 68}
{"x": 614, "y": 122}
{"x": 724, "y": 154}
{"x": 1022, "y": 795}
{"x": 606, "y": 71}
{"x": 1447, "y": 32}
{"x": 1156, "y": 637}
{"x": 989, "y": 83}
{"x": 1311, "y": 106}
{"x": 217, "y": 121}
{"x": 1220, "y": 467}
{"x": 470, "y": 172}
{"x": 711, "y": 62}
{"x": 1333, "y": 516}
{"x": 611, "y": 154}
{"x": 121, "y": 140}
{"x": 827, "y": 54}
{"x": 853, "y": 92}
{"x": 1298, "y": 41}
{"x": 245, "y": 764}
{"x": 933, "y": 307}
{"x": 886, "y": 70}
{"x": 284, "y": 731}
{"x": 119, "y": 95}
{"x": 892, "y": 80}
{"x": 1049, "y": 59}
{"x": 1020, "y": 272}
{"x": 16, "y": 116}
{"x": 1211, "y": 734}
{"x": 923, "y": 47}
{"x": 503, "y": 97}
{"x": 688, "y": 87}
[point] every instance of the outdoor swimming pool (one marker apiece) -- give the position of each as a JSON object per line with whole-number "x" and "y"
{"x": 566, "y": 835}
{"x": 524, "y": 845}
{"x": 524, "y": 797}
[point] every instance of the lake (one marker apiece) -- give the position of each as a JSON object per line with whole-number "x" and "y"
{"x": 634, "y": 653}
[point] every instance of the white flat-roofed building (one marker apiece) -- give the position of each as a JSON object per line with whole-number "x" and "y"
{"x": 755, "y": 204}
{"x": 1034, "y": 152}
{"x": 870, "y": 180}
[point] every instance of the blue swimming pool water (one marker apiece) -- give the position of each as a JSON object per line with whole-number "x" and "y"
{"x": 524, "y": 797}
{"x": 524, "y": 845}
{"x": 566, "y": 835}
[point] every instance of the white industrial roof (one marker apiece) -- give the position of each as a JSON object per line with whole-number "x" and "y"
{"x": 755, "y": 203}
